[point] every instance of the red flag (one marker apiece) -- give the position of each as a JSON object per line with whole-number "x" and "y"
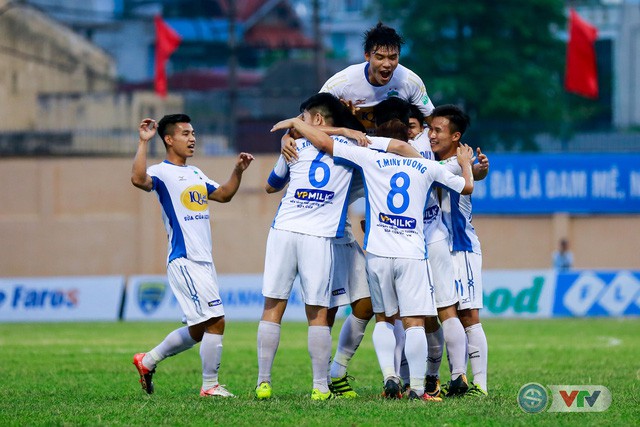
{"x": 581, "y": 76}
{"x": 167, "y": 41}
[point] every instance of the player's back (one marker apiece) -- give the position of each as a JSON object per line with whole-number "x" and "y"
{"x": 396, "y": 193}
{"x": 317, "y": 196}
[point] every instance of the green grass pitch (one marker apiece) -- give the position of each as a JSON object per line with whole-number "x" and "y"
{"x": 81, "y": 374}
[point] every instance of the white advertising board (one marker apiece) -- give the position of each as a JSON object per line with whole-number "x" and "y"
{"x": 30, "y": 299}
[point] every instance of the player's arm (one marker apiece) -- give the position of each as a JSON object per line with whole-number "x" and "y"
{"x": 359, "y": 137}
{"x": 226, "y": 191}
{"x": 318, "y": 138}
{"x": 480, "y": 169}
{"x": 279, "y": 176}
{"x": 402, "y": 148}
{"x": 139, "y": 176}
{"x": 465, "y": 160}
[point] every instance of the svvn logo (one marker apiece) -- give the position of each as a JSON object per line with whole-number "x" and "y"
{"x": 533, "y": 397}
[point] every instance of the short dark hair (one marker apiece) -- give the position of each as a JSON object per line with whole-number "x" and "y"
{"x": 381, "y": 36}
{"x": 416, "y": 113}
{"x": 167, "y": 123}
{"x": 328, "y": 105}
{"x": 459, "y": 121}
{"x": 392, "y": 108}
{"x": 393, "y": 128}
{"x": 334, "y": 112}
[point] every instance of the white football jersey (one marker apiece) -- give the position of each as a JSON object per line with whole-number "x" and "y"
{"x": 435, "y": 229}
{"x": 316, "y": 199}
{"x": 183, "y": 192}
{"x": 396, "y": 194}
{"x": 456, "y": 212}
{"x": 353, "y": 85}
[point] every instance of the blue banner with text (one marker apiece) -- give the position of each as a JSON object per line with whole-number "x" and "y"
{"x": 548, "y": 183}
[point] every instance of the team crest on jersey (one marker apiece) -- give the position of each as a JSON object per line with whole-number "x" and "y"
{"x": 393, "y": 92}
{"x": 195, "y": 198}
{"x": 314, "y": 195}
{"x": 398, "y": 221}
{"x": 150, "y": 296}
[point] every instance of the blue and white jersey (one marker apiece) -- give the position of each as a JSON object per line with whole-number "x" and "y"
{"x": 352, "y": 84}
{"x": 317, "y": 196}
{"x": 396, "y": 191}
{"x": 183, "y": 192}
{"x": 456, "y": 212}
{"x": 435, "y": 229}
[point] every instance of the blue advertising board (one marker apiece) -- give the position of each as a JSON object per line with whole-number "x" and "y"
{"x": 548, "y": 183}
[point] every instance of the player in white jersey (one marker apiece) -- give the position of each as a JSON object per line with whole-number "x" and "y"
{"x": 183, "y": 192}
{"x": 447, "y": 127}
{"x": 381, "y": 76}
{"x": 313, "y": 210}
{"x": 396, "y": 192}
{"x": 441, "y": 264}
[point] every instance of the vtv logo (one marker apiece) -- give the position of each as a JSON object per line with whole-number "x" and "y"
{"x": 579, "y": 398}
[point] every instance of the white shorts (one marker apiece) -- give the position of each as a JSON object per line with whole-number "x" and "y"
{"x": 469, "y": 272}
{"x": 195, "y": 285}
{"x": 289, "y": 254}
{"x": 349, "y": 275}
{"x": 442, "y": 270}
{"x": 400, "y": 284}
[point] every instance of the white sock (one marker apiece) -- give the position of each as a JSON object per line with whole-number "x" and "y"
{"x": 384, "y": 343}
{"x": 211, "y": 354}
{"x": 456, "y": 340}
{"x": 268, "y": 341}
{"x": 319, "y": 345}
{"x": 415, "y": 348}
{"x": 478, "y": 354}
{"x": 398, "y": 331}
{"x": 435, "y": 342}
{"x": 176, "y": 342}
{"x": 350, "y": 338}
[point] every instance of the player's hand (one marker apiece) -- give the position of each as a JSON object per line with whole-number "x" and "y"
{"x": 243, "y": 161}
{"x": 350, "y": 105}
{"x": 359, "y": 137}
{"x": 147, "y": 129}
{"x": 289, "y": 149}
{"x": 465, "y": 155}
{"x": 285, "y": 124}
{"x": 483, "y": 160}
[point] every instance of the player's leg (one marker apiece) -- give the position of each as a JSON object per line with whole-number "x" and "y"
{"x": 385, "y": 307}
{"x": 315, "y": 264}
{"x": 415, "y": 301}
{"x": 456, "y": 342}
{"x": 205, "y": 319}
{"x": 176, "y": 342}
{"x": 349, "y": 277}
{"x": 280, "y": 269}
{"x": 444, "y": 273}
{"x": 477, "y": 349}
{"x": 470, "y": 270}
{"x": 268, "y": 340}
{"x": 435, "y": 346}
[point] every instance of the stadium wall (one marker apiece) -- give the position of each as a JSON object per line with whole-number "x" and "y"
{"x": 82, "y": 217}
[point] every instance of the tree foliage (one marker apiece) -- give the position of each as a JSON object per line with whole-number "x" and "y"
{"x": 502, "y": 61}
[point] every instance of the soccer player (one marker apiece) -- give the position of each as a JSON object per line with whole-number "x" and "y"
{"x": 183, "y": 192}
{"x": 437, "y": 238}
{"x": 447, "y": 127}
{"x": 312, "y": 213}
{"x": 381, "y": 76}
{"x": 394, "y": 239}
